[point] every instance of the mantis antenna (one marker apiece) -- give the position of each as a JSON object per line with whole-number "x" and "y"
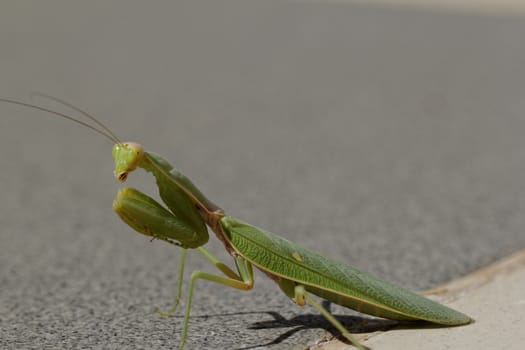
{"x": 106, "y": 132}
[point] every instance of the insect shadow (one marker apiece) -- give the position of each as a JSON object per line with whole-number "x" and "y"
{"x": 354, "y": 323}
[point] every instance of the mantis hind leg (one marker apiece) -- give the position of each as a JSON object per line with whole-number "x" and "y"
{"x": 243, "y": 281}
{"x": 216, "y": 262}
{"x": 300, "y": 294}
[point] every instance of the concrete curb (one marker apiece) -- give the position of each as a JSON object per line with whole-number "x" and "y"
{"x": 494, "y": 296}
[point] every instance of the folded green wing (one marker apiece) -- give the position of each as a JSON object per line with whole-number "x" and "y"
{"x": 333, "y": 280}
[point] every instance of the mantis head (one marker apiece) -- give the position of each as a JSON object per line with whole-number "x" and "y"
{"x": 127, "y": 157}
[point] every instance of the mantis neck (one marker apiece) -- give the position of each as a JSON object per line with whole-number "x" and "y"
{"x": 209, "y": 211}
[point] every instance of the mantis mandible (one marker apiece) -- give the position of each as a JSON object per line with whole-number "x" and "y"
{"x": 299, "y": 272}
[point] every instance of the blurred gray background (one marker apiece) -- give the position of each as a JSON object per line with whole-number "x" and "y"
{"x": 390, "y": 138}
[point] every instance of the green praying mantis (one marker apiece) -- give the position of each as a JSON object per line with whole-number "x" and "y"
{"x": 299, "y": 272}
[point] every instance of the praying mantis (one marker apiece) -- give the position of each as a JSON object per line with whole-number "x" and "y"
{"x": 187, "y": 214}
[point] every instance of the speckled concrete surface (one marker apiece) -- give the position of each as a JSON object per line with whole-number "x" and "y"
{"x": 388, "y": 139}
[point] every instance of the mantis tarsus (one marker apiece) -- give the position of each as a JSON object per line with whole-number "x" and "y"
{"x": 298, "y": 272}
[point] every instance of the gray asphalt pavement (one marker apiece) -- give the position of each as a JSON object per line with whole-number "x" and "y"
{"x": 391, "y": 139}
